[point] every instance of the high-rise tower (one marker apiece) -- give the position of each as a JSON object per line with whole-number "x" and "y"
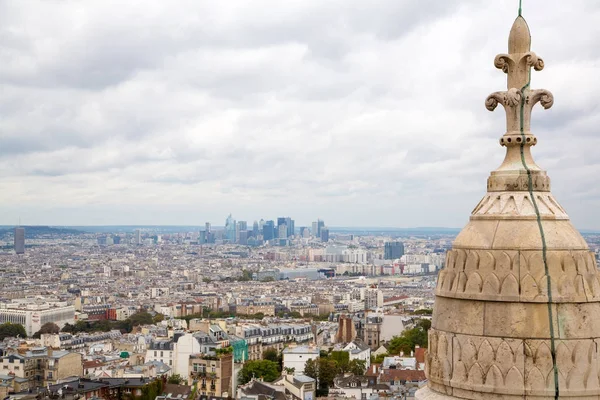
{"x": 517, "y": 309}
{"x": 19, "y": 240}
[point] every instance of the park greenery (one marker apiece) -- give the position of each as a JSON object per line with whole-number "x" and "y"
{"x": 410, "y": 338}
{"x": 125, "y": 326}
{"x": 8, "y": 329}
{"x": 175, "y": 379}
{"x": 328, "y": 366}
{"x": 266, "y": 369}
{"x": 48, "y": 327}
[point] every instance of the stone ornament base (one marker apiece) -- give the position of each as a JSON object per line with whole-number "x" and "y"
{"x": 428, "y": 394}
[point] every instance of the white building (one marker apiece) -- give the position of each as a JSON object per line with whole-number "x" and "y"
{"x": 373, "y": 298}
{"x": 359, "y": 351}
{"x": 33, "y": 313}
{"x": 159, "y": 292}
{"x": 296, "y": 356}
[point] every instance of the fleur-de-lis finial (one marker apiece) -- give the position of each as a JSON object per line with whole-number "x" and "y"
{"x": 518, "y": 100}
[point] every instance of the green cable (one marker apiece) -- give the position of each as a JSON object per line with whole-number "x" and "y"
{"x": 520, "y": 9}
{"x": 544, "y": 248}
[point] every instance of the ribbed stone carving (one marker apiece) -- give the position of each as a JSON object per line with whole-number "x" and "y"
{"x": 518, "y": 300}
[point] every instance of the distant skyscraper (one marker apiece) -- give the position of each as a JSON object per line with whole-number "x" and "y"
{"x": 280, "y": 221}
{"x": 207, "y": 227}
{"x": 304, "y": 232}
{"x": 255, "y": 230}
{"x": 316, "y": 228}
{"x": 240, "y": 227}
{"x": 243, "y": 238}
{"x": 324, "y": 234}
{"x": 269, "y": 230}
{"x": 19, "y": 240}
{"x": 138, "y": 236}
{"x": 282, "y": 231}
{"x": 289, "y": 223}
{"x": 393, "y": 250}
{"x": 230, "y": 229}
{"x": 210, "y": 237}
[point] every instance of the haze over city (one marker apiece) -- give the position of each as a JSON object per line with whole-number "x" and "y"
{"x": 365, "y": 114}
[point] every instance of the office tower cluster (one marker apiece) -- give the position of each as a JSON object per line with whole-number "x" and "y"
{"x": 278, "y": 231}
{"x": 320, "y": 231}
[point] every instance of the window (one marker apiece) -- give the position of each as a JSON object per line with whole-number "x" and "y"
{"x": 154, "y": 353}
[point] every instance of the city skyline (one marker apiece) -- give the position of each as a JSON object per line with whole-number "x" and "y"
{"x": 364, "y": 114}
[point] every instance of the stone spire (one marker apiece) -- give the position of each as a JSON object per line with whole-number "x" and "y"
{"x": 517, "y": 309}
{"x": 518, "y": 101}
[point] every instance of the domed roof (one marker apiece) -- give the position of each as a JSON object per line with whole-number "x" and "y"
{"x": 517, "y": 309}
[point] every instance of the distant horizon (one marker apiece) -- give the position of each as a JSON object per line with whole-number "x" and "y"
{"x": 433, "y": 229}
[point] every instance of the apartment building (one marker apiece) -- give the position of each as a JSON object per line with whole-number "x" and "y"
{"x": 214, "y": 374}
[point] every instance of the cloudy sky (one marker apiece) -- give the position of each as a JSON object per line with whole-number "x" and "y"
{"x": 363, "y": 113}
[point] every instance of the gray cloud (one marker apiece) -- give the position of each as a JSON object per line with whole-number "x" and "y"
{"x": 359, "y": 113}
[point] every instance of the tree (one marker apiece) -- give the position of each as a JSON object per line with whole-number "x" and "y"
{"x": 410, "y": 338}
{"x": 357, "y": 367}
{"x": 311, "y": 368}
{"x": 424, "y": 324}
{"x": 141, "y": 318}
{"x": 48, "y": 327}
{"x": 265, "y": 369}
{"x": 378, "y": 359}
{"x": 175, "y": 379}
{"x": 246, "y": 276}
{"x": 271, "y": 355}
{"x": 423, "y": 311}
{"x": 328, "y": 369}
{"x": 342, "y": 359}
{"x": 158, "y": 318}
{"x": 12, "y": 330}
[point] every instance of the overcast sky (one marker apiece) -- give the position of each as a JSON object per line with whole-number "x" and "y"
{"x": 363, "y": 113}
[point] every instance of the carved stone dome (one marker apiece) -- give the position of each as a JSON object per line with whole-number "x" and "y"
{"x": 517, "y": 309}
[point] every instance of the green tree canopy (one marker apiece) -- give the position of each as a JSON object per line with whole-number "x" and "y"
{"x": 328, "y": 370}
{"x": 141, "y": 318}
{"x": 342, "y": 359}
{"x": 48, "y": 327}
{"x": 378, "y": 359}
{"x": 266, "y": 369}
{"x": 175, "y": 379}
{"x": 410, "y": 338}
{"x": 423, "y": 311}
{"x": 271, "y": 355}
{"x": 311, "y": 368}
{"x": 12, "y": 330}
{"x": 357, "y": 367}
{"x": 246, "y": 276}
